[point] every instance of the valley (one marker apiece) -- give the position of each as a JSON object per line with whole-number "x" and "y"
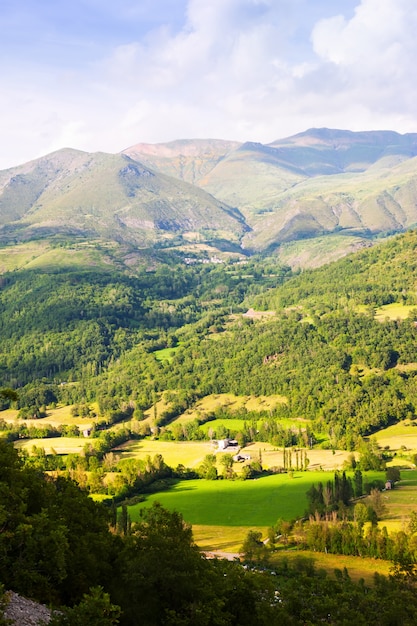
{"x": 201, "y": 334}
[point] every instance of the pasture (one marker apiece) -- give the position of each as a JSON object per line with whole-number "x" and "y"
{"x": 237, "y": 424}
{"x": 358, "y": 567}
{"x": 318, "y": 459}
{"x": 400, "y": 501}
{"x": 191, "y": 454}
{"x": 246, "y": 504}
{"x": 401, "y": 436}
{"x": 188, "y": 453}
{"x": 52, "y": 445}
{"x": 165, "y": 354}
{"x": 233, "y": 404}
{"x": 60, "y": 416}
{"x": 222, "y": 511}
{"x": 394, "y": 311}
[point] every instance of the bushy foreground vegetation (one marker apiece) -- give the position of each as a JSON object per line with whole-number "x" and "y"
{"x": 60, "y": 547}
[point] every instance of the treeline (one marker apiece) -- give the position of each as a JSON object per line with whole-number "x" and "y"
{"x": 353, "y": 538}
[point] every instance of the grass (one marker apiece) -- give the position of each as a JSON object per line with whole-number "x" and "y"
{"x": 165, "y": 354}
{"x": 250, "y": 503}
{"x": 223, "y": 538}
{"x": 60, "y": 416}
{"x": 358, "y": 567}
{"x": 400, "y": 501}
{"x": 61, "y": 445}
{"x": 400, "y": 436}
{"x": 189, "y": 453}
{"x": 394, "y": 311}
{"x": 234, "y": 404}
{"x": 236, "y": 424}
{"x": 222, "y": 512}
{"x": 310, "y": 253}
{"x": 318, "y": 459}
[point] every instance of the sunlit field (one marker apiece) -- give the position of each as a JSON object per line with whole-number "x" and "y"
{"x": 358, "y": 567}
{"x": 51, "y": 445}
{"x": 187, "y": 453}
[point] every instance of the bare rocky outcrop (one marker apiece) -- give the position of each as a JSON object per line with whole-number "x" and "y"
{"x": 24, "y": 612}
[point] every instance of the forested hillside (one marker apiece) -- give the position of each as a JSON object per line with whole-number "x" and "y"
{"x": 324, "y": 351}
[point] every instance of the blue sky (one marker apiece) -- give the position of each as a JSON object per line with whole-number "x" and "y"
{"x": 100, "y": 75}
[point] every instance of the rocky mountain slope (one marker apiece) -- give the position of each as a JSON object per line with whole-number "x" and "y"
{"x": 318, "y": 183}
{"x": 109, "y": 196}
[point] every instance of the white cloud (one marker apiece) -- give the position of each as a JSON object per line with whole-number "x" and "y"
{"x": 237, "y": 69}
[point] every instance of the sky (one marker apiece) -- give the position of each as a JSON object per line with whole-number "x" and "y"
{"x": 100, "y": 75}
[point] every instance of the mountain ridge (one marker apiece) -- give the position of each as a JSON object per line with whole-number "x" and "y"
{"x": 256, "y": 196}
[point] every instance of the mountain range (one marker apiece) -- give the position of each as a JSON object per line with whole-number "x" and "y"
{"x": 244, "y": 197}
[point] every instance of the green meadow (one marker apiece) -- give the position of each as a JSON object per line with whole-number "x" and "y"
{"x": 399, "y": 437}
{"x": 400, "y": 502}
{"x": 394, "y": 311}
{"x": 357, "y": 566}
{"x": 250, "y": 503}
{"x": 165, "y": 354}
{"x": 237, "y": 503}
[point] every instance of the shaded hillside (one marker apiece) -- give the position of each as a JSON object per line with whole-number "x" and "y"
{"x": 380, "y": 275}
{"x": 108, "y": 196}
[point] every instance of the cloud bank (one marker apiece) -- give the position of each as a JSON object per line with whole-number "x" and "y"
{"x": 237, "y": 69}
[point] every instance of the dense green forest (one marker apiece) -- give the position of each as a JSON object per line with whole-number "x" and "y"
{"x": 64, "y": 325}
{"x": 83, "y": 336}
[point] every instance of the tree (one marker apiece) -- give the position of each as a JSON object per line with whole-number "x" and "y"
{"x": 393, "y": 474}
{"x": 160, "y": 571}
{"x": 360, "y": 513}
{"x": 254, "y": 549}
{"x": 227, "y": 461}
{"x": 208, "y": 468}
{"x": 357, "y": 483}
{"x": 95, "y": 609}
{"x": 375, "y": 500}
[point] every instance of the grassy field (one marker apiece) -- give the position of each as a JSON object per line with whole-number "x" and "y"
{"x": 400, "y": 501}
{"x": 232, "y": 403}
{"x": 238, "y": 423}
{"x": 247, "y": 503}
{"x": 394, "y": 311}
{"x": 40, "y": 254}
{"x": 60, "y": 445}
{"x": 222, "y": 511}
{"x": 165, "y": 354}
{"x": 401, "y": 436}
{"x": 189, "y": 453}
{"x": 358, "y": 567}
{"x": 60, "y": 416}
{"x": 318, "y": 459}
